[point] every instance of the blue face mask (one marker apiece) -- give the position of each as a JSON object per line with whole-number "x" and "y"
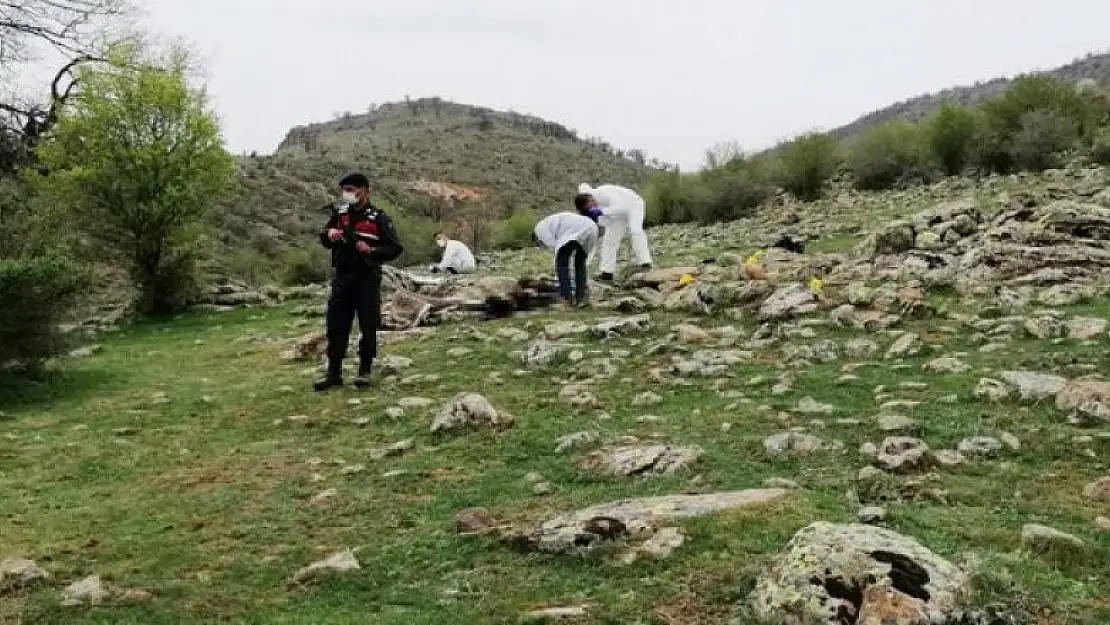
{"x": 594, "y": 213}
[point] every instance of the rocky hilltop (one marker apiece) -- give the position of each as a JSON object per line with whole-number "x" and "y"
{"x": 1095, "y": 67}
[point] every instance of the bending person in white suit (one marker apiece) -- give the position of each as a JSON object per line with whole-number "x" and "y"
{"x": 620, "y": 211}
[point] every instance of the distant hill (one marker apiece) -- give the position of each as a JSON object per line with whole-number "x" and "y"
{"x": 1094, "y": 66}
{"x": 430, "y": 160}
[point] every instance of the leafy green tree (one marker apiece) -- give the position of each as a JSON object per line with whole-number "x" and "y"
{"x": 951, "y": 134}
{"x": 139, "y": 155}
{"x": 807, "y": 163}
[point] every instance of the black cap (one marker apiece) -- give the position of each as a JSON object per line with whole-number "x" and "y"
{"x": 355, "y": 179}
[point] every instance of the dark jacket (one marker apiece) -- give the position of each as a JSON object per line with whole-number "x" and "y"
{"x": 368, "y": 224}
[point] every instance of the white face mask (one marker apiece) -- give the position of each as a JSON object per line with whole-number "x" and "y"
{"x": 349, "y": 197}
{"x": 441, "y": 242}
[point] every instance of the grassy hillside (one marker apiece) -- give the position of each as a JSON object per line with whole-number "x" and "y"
{"x": 1094, "y": 66}
{"x": 197, "y": 485}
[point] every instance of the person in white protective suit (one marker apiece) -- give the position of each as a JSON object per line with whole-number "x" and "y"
{"x": 572, "y": 237}
{"x": 457, "y": 257}
{"x": 619, "y": 211}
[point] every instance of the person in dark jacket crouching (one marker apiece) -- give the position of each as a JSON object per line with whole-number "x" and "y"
{"x": 361, "y": 239}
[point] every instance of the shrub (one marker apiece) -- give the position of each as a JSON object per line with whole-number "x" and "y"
{"x": 35, "y": 295}
{"x": 417, "y": 235}
{"x": 667, "y": 199}
{"x": 1005, "y": 112}
{"x": 806, "y": 164}
{"x": 728, "y": 194}
{"x": 951, "y": 135}
{"x": 1043, "y": 136}
{"x": 515, "y": 232}
{"x": 307, "y": 266}
{"x": 889, "y": 155}
{"x": 1100, "y": 150}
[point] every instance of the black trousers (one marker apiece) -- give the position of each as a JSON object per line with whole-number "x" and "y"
{"x": 353, "y": 294}
{"x": 572, "y": 252}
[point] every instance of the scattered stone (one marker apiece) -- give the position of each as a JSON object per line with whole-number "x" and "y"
{"x": 949, "y": 458}
{"x": 788, "y": 301}
{"x": 1086, "y": 328}
{"x": 780, "y": 482}
{"x": 323, "y": 497}
{"x": 647, "y": 398}
{"x": 1098, "y": 490}
{"x": 1034, "y": 386}
{"x": 796, "y": 443}
{"x": 809, "y": 405}
{"x": 871, "y": 515}
{"x": 980, "y": 447}
{"x": 577, "y": 440}
{"x": 991, "y": 390}
{"x": 88, "y": 591}
{"x": 542, "y": 353}
{"x": 640, "y": 459}
{"x": 909, "y": 344}
{"x": 898, "y": 424}
{"x": 1102, "y": 524}
{"x": 394, "y": 365}
{"x": 947, "y": 365}
{"x": 860, "y": 348}
{"x": 337, "y": 563}
{"x": 555, "y": 613}
{"x": 579, "y": 395}
{"x": 902, "y": 453}
{"x": 632, "y": 519}
{"x": 469, "y": 410}
{"x": 477, "y": 522}
{"x": 825, "y": 565}
{"x": 1043, "y": 539}
{"x": 1087, "y": 398}
{"x": 395, "y": 449}
{"x": 17, "y": 573}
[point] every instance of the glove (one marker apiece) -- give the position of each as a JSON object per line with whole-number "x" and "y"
{"x": 363, "y": 247}
{"x": 335, "y": 234}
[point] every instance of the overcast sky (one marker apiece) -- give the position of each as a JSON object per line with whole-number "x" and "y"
{"x": 670, "y": 77}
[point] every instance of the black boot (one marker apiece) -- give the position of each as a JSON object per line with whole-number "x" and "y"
{"x": 605, "y": 277}
{"x": 329, "y": 381}
{"x": 363, "y": 378}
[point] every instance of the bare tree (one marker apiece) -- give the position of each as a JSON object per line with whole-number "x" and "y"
{"x": 74, "y": 29}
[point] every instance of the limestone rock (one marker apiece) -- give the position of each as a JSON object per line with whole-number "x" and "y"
{"x": 826, "y": 565}
{"x": 337, "y": 563}
{"x": 640, "y": 459}
{"x": 469, "y": 410}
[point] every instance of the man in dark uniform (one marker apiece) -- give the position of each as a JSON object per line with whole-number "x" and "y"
{"x": 361, "y": 238}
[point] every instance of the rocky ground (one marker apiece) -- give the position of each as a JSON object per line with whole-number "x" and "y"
{"x": 907, "y": 424}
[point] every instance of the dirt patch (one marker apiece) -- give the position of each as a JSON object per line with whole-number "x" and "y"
{"x": 450, "y": 192}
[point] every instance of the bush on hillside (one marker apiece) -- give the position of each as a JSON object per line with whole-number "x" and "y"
{"x": 728, "y": 194}
{"x": 1100, "y": 149}
{"x": 417, "y": 235}
{"x": 951, "y": 134}
{"x": 1043, "y": 138}
{"x": 307, "y": 266}
{"x": 36, "y": 294}
{"x": 515, "y": 232}
{"x": 889, "y": 155}
{"x": 667, "y": 199}
{"x": 806, "y": 164}
{"x": 1005, "y": 112}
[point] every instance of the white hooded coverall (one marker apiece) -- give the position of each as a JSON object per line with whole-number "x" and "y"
{"x": 557, "y": 230}
{"x": 622, "y": 211}
{"x": 457, "y": 256}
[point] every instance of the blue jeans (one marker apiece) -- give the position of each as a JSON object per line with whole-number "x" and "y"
{"x": 563, "y": 259}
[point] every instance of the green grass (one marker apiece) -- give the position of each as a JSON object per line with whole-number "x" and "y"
{"x": 207, "y": 501}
